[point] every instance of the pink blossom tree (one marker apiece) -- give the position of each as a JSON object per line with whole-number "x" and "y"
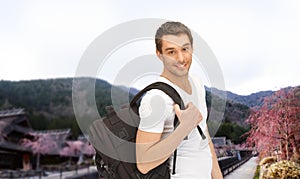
{"x": 276, "y": 125}
{"x": 88, "y": 149}
{"x": 77, "y": 148}
{"x": 73, "y": 149}
{"x": 41, "y": 143}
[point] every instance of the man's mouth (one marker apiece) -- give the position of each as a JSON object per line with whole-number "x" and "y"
{"x": 181, "y": 66}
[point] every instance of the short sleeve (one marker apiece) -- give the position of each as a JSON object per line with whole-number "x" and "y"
{"x": 155, "y": 109}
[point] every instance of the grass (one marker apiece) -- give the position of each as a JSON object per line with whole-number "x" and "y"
{"x": 256, "y": 176}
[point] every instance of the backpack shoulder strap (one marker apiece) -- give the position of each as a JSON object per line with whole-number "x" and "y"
{"x": 169, "y": 90}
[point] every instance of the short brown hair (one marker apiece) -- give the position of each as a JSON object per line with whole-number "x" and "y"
{"x": 171, "y": 28}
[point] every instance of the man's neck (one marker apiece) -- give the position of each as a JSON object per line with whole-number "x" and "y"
{"x": 182, "y": 82}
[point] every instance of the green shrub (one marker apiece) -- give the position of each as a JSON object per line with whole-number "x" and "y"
{"x": 257, "y": 171}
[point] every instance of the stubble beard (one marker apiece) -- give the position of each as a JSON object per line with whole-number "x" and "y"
{"x": 174, "y": 73}
{"x": 172, "y": 70}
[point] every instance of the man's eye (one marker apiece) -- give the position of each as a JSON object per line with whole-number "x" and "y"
{"x": 185, "y": 49}
{"x": 171, "y": 52}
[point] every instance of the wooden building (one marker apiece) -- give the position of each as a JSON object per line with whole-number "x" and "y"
{"x": 14, "y": 124}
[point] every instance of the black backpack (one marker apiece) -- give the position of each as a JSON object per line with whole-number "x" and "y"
{"x": 117, "y": 129}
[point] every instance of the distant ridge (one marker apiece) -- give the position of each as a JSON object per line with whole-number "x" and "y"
{"x": 254, "y": 99}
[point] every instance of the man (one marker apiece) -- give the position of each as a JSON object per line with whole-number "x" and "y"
{"x": 156, "y": 138}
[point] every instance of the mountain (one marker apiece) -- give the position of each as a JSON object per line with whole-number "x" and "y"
{"x": 48, "y": 103}
{"x": 254, "y": 99}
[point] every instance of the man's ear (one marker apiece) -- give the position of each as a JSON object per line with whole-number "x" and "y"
{"x": 159, "y": 55}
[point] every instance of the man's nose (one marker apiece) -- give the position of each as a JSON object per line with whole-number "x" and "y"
{"x": 180, "y": 57}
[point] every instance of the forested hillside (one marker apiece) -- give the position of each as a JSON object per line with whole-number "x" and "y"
{"x": 48, "y": 104}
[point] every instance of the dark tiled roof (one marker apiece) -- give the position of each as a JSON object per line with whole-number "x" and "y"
{"x": 13, "y": 121}
{"x": 59, "y": 135}
{"x": 53, "y": 131}
{"x": 11, "y": 112}
{"x": 13, "y": 146}
{"x": 6, "y": 152}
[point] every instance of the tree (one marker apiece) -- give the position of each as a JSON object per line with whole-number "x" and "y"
{"x": 73, "y": 149}
{"x": 88, "y": 149}
{"x": 77, "y": 149}
{"x": 275, "y": 127}
{"x": 232, "y": 131}
{"x": 41, "y": 143}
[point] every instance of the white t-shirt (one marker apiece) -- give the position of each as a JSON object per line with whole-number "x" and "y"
{"x": 194, "y": 159}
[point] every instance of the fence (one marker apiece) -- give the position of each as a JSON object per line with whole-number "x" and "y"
{"x": 229, "y": 164}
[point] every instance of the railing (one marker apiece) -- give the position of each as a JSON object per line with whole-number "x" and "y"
{"x": 21, "y": 173}
{"x": 229, "y": 164}
{"x": 59, "y": 172}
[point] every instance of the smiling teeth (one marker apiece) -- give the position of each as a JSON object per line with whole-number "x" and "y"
{"x": 181, "y": 66}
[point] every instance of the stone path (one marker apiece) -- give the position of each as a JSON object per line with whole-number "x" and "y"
{"x": 246, "y": 171}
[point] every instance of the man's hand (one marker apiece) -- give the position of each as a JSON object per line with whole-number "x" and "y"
{"x": 152, "y": 151}
{"x": 190, "y": 117}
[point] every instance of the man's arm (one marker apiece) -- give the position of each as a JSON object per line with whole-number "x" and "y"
{"x": 151, "y": 151}
{"x": 216, "y": 171}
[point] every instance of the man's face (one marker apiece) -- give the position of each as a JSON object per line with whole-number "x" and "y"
{"x": 176, "y": 54}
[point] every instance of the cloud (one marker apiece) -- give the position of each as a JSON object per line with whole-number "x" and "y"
{"x": 256, "y": 43}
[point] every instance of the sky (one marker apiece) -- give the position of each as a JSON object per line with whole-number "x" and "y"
{"x": 256, "y": 43}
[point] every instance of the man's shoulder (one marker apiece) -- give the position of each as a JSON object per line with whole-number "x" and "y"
{"x": 156, "y": 94}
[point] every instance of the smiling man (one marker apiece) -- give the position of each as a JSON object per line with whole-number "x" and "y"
{"x": 156, "y": 137}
